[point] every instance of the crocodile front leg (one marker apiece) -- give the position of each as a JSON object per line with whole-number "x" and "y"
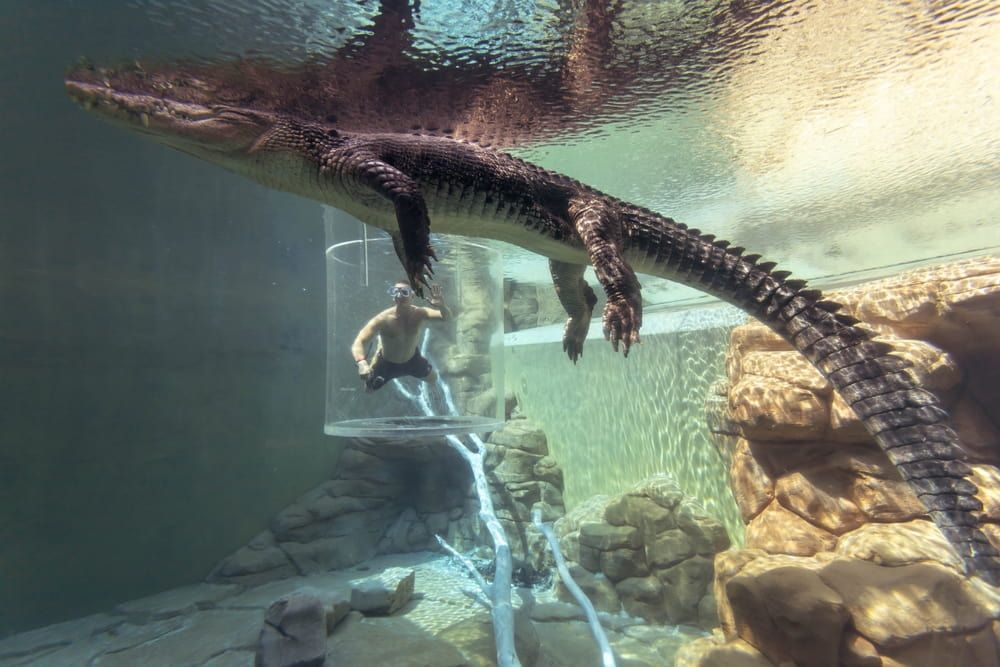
{"x": 416, "y": 252}
{"x": 600, "y": 230}
{"x": 577, "y": 299}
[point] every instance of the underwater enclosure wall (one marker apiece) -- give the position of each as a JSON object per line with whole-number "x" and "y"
{"x": 613, "y": 421}
{"x": 161, "y": 350}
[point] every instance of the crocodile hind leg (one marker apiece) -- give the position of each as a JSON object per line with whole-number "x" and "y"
{"x": 600, "y": 230}
{"x": 577, "y": 299}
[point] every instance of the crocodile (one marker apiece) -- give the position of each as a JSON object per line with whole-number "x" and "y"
{"x": 401, "y": 182}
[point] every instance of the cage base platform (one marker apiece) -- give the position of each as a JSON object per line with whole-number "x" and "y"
{"x": 395, "y": 428}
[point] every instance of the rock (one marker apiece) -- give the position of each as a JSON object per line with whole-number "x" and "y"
{"x": 856, "y": 651}
{"x": 684, "y": 585}
{"x": 557, "y": 611}
{"x": 231, "y": 659}
{"x": 619, "y": 564}
{"x": 643, "y": 597}
{"x": 565, "y": 645}
{"x": 707, "y": 535}
{"x": 780, "y": 531}
{"x": 592, "y": 509}
{"x": 343, "y": 525}
{"x": 932, "y": 368}
{"x": 789, "y": 366}
{"x": 790, "y": 614}
{"x": 510, "y": 405}
{"x": 727, "y": 565}
{"x": 885, "y": 500}
{"x": 641, "y": 512}
{"x": 194, "y": 641}
{"x": 252, "y": 566}
{"x": 467, "y": 364}
{"x": 548, "y": 470}
{"x": 634, "y": 653}
{"x": 974, "y": 648}
{"x": 606, "y": 537}
{"x": 292, "y": 517}
{"x": 474, "y": 638}
{"x": 898, "y": 544}
{"x": 708, "y": 652}
{"x": 355, "y": 463}
{"x": 389, "y": 641}
{"x": 752, "y": 487}
{"x": 56, "y": 635}
{"x": 337, "y": 610}
{"x": 512, "y": 465}
{"x": 522, "y": 434}
{"x": 669, "y": 548}
{"x": 819, "y": 495}
{"x": 779, "y": 458}
{"x": 708, "y": 612}
{"x": 771, "y": 409}
{"x": 980, "y": 436}
{"x": 294, "y": 633}
{"x": 987, "y": 478}
{"x": 383, "y": 594}
{"x": 753, "y": 336}
{"x": 176, "y": 602}
{"x": 892, "y": 606}
{"x": 597, "y": 587}
{"x": 332, "y": 553}
{"x": 360, "y": 488}
{"x": 661, "y": 488}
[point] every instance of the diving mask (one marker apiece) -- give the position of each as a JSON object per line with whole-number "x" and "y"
{"x": 400, "y": 292}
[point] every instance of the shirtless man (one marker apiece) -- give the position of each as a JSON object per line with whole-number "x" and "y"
{"x": 398, "y": 329}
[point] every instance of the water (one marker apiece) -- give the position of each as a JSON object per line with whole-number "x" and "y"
{"x": 163, "y": 333}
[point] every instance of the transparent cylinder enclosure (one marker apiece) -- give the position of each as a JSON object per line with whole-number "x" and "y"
{"x": 465, "y": 350}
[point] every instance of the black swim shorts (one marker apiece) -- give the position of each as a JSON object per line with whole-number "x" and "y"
{"x": 384, "y": 370}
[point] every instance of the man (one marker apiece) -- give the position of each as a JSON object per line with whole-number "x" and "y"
{"x": 398, "y": 329}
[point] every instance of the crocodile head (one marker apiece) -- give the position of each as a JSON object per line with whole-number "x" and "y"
{"x": 172, "y": 106}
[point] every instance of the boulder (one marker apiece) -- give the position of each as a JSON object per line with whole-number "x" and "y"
{"x": 789, "y": 614}
{"x": 772, "y": 409}
{"x": 294, "y": 633}
{"x": 898, "y": 544}
{"x": 781, "y": 531}
{"x": 383, "y": 594}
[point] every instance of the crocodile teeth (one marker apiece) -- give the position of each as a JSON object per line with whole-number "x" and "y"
{"x": 144, "y": 117}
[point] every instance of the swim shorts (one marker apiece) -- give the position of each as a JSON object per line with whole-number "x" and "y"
{"x": 384, "y": 370}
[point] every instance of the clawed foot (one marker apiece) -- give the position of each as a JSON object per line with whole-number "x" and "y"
{"x": 420, "y": 271}
{"x": 622, "y": 319}
{"x": 573, "y": 336}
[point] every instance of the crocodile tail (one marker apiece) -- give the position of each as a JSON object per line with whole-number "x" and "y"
{"x": 907, "y": 422}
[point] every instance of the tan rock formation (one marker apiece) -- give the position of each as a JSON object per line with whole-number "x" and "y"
{"x": 654, "y": 545}
{"x": 842, "y": 565}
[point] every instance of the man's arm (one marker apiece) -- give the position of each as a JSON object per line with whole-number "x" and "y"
{"x": 438, "y": 309}
{"x": 361, "y": 341}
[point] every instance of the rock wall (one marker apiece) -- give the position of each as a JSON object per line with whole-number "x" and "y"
{"x": 649, "y": 551}
{"x": 465, "y": 356}
{"x": 395, "y": 496}
{"x": 842, "y": 564}
{"x": 529, "y": 305}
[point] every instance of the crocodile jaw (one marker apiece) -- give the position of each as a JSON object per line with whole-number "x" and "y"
{"x": 216, "y": 133}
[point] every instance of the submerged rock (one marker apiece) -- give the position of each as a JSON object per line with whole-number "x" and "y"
{"x": 383, "y": 594}
{"x": 654, "y": 545}
{"x": 294, "y": 633}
